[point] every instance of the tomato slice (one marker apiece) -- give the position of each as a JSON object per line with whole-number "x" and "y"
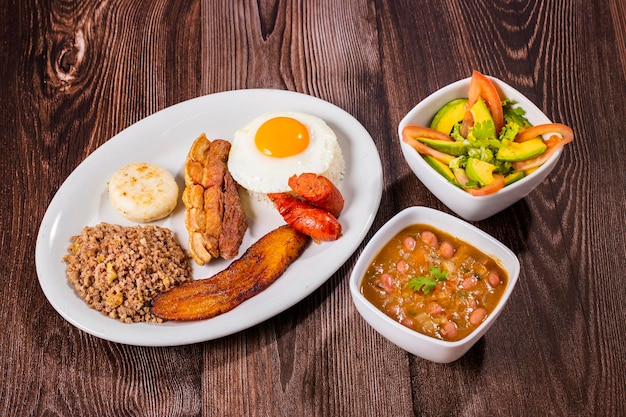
{"x": 532, "y": 132}
{"x": 424, "y": 132}
{"x": 411, "y": 133}
{"x": 482, "y": 87}
{"x": 496, "y": 185}
{"x": 554, "y": 143}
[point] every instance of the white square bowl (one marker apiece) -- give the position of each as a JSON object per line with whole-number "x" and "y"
{"x": 416, "y": 343}
{"x": 467, "y": 206}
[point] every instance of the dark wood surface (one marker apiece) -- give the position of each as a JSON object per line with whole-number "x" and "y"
{"x": 75, "y": 73}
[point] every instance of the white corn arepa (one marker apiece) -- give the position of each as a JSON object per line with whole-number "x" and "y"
{"x": 143, "y": 192}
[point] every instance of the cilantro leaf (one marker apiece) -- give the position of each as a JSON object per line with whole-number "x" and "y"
{"x": 514, "y": 114}
{"x": 485, "y": 143}
{"x": 509, "y": 131}
{"x": 438, "y": 273}
{"x": 507, "y": 102}
{"x": 483, "y": 130}
{"x": 426, "y": 284}
{"x": 422, "y": 283}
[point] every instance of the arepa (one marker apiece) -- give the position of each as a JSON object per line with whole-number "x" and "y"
{"x": 143, "y": 192}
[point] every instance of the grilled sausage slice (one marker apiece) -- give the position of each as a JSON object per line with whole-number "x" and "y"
{"x": 305, "y": 218}
{"x": 319, "y": 191}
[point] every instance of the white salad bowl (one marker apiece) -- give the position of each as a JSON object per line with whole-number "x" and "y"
{"x": 467, "y": 206}
{"x": 421, "y": 345}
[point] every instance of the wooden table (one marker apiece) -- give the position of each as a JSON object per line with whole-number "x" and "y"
{"x": 76, "y": 73}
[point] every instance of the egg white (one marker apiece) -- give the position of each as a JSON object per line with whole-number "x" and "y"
{"x": 262, "y": 174}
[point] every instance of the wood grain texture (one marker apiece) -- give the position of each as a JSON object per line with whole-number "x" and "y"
{"x": 75, "y": 73}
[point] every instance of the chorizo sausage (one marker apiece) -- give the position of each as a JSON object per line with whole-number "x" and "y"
{"x": 318, "y": 191}
{"x": 315, "y": 222}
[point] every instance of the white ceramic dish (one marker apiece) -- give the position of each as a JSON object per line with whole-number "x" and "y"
{"x": 416, "y": 343}
{"x": 462, "y": 203}
{"x": 164, "y": 139}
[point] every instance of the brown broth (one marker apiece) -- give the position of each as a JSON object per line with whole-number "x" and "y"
{"x": 449, "y": 310}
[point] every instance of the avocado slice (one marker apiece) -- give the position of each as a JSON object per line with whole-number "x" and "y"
{"x": 480, "y": 171}
{"x": 448, "y": 146}
{"x": 513, "y": 176}
{"x": 529, "y": 171}
{"x": 514, "y": 151}
{"x": 449, "y": 115}
{"x": 441, "y": 168}
{"x": 484, "y": 126}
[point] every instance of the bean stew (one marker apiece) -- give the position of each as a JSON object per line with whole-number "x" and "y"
{"x": 434, "y": 283}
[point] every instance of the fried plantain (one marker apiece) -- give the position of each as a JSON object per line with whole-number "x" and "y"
{"x": 258, "y": 267}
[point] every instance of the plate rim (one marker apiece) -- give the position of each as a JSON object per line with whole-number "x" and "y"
{"x": 51, "y": 218}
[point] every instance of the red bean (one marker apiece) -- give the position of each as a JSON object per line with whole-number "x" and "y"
{"x": 435, "y": 309}
{"x": 469, "y": 282}
{"x": 449, "y": 330}
{"x": 402, "y": 266}
{"x": 409, "y": 243}
{"x": 477, "y": 316}
{"x": 407, "y": 322}
{"x": 387, "y": 283}
{"x": 430, "y": 239}
{"x": 447, "y": 249}
{"x": 394, "y": 310}
{"x": 493, "y": 278}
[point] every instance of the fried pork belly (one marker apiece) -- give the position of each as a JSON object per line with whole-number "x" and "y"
{"x": 212, "y": 202}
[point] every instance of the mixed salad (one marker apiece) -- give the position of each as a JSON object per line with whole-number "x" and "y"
{"x": 483, "y": 143}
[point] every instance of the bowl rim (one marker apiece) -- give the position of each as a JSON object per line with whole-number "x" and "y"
{"x": 395, "y": 225}
{"x": 539, "y": 174}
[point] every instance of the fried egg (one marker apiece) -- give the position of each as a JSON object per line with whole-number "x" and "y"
{"x": 274, "y": 146}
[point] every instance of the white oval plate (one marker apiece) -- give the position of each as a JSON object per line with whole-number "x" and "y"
{"x": 164, "y": 139}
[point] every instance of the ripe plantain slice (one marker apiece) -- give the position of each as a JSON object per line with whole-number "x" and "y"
{"x": 258, "y": 267}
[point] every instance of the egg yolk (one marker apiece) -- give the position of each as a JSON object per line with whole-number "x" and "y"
{"x": 282, "y": 136}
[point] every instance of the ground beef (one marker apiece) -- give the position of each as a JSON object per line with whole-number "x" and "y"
{"x": 117, "y": 270}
